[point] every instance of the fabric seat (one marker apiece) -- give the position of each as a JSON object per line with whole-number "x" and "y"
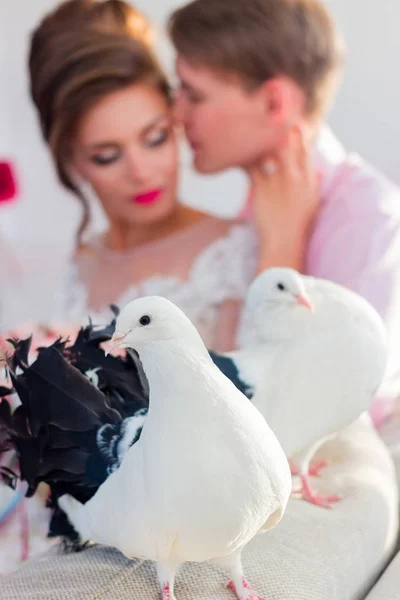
{"x": 313, "y": 554}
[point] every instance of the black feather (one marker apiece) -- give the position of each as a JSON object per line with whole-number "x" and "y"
{"x": 71, "y": 400}
{"x": 4, "y": 391}
{"x": 22, "y": 349}
{"x": 229, "y": 368}
{"x": 54, "y": 430}
{"x": 59, "y": 344}
{"x": 120, "y": 378}
{"x": 98, "y": 335}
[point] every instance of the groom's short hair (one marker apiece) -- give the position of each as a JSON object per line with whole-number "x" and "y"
{"x": 261, "y": 39}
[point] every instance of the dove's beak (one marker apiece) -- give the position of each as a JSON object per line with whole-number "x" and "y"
{"x": 116, "y": 341}
{"x": 304, "y": 301}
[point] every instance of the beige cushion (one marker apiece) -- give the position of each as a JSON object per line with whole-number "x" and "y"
{"x": 388, "y": 587}
{"x": 313, "y": 554}
{"x": 390, "y": 433}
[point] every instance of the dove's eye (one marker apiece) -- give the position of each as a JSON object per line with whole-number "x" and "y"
{"x": 281, "y": 287}
{"x": 145, "y": 320}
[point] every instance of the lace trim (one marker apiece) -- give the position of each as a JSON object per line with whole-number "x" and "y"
{"x": 222, "y": 271}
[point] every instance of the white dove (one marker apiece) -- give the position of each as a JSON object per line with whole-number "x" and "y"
{"x": 312, "y": 356}
{"x": 207, "y": 473}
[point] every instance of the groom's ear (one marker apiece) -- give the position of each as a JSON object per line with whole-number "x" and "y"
{"x": 284, "y": 101}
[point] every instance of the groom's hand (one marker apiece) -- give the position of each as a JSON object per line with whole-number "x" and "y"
{"x": 285, "y": 194}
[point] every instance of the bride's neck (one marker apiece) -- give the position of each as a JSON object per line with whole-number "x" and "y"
{"x": 121, "y": 236}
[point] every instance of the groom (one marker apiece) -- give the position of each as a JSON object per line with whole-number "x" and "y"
{"x": 257, "y": 78}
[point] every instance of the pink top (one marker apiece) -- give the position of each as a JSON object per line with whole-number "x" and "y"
{"x": 356, "y": 242}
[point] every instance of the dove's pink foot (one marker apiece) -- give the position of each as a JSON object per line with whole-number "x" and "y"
{"x": 166, "y": 592}
{"x": 246, "y": 593}
{"x": 309, "y": 495}
{"x": 314, "y": 468}
{"x": 166, "y": 578}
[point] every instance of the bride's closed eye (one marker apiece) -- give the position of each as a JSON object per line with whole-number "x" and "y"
{"x": 157, "y": 138}
{"x": 106, "y": 158}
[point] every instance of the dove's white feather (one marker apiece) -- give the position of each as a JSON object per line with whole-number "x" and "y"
{"x": 313, "y": 372}
{"x": 207, "y": 473}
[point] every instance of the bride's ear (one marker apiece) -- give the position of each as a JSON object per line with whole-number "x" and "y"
{"x": 79, "y": 181}
{"x": 75, "y": 174}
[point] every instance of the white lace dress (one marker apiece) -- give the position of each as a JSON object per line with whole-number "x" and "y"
{"x": 205, "y": 270}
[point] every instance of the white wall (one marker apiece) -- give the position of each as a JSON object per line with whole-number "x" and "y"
{"x": 366, "y": 115}
{"x": 42, "y": 223}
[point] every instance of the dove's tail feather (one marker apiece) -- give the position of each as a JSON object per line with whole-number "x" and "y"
{"x": 55, "y": 429}
{"x": 273, "y": 519}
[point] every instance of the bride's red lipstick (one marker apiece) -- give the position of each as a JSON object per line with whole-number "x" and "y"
{"x": 148, "y": 197}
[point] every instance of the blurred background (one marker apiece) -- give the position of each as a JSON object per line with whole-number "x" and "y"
{"x": 40, "y": 225}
